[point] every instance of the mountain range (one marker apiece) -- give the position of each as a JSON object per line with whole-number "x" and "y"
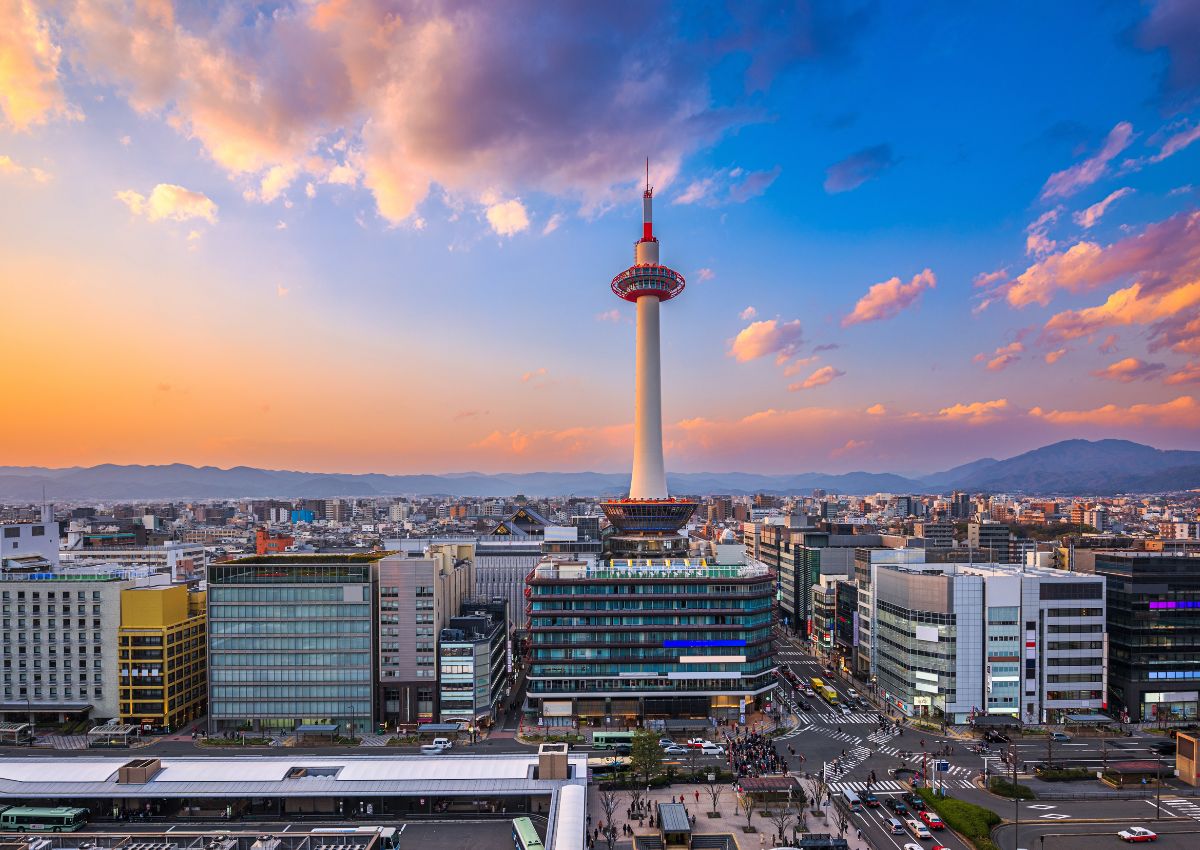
{"x": 1070, "y": 467}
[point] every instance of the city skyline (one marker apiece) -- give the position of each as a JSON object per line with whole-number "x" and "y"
{"x": 300, "y": 238}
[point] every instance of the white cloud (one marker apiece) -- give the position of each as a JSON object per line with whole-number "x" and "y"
{"x": 748, "y": 314}
{"x": 507, "y": 218}
{"x": 9, "y": 166}
{"x": 1089, "y": 217}
{"x": 171, "y": 202}
{"x": 552, "y": 224}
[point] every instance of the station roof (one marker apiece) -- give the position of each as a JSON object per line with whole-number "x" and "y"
{"x": 673, "y": 818}
{"x": 273, "y": 776}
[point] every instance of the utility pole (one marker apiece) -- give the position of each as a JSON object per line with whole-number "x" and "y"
{"x": 1158, "y": 790}
{"x": 1016, "y": 803}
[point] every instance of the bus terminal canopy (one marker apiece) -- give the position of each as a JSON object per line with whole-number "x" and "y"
{"x": 15, "y": 733}
{"x": 994, "y": 721}
{"x": 111, "y": 734}
{"x": 1089, "y": 718}
{"x": 438, "y": 728}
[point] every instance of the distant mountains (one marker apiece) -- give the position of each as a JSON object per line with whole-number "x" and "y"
{"x": 1071, "y": 467}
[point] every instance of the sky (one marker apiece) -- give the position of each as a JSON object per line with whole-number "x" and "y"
{"x": 359, "y": 235}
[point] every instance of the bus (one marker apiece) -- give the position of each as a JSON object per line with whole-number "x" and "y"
{"x": 828, "y": 694}
{"x": 606, "y": 764}
{"x": 608, "y": 740}
{"x": 29, "y": 819}
{"x": 525, "y": 837}
{"x": 387, "y": 834}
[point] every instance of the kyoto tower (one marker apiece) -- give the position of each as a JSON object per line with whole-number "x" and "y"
{"x": 648, "y": 522}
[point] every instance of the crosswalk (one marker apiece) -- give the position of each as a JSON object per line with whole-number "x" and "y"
{"x": 882, "y": 736}
{"x": 891, "y": 785}
{"x": 807, "y": 717}
{"x": 851, "y": 760}
{"x": 919, "y": 758}
{"x": 1186, "y": 808}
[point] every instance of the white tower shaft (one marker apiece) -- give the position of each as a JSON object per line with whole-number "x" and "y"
{"x": 649, "y": 472}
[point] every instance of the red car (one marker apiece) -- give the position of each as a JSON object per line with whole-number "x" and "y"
{"x": 931, "y": 820}
{"x": 1136, "y": 833}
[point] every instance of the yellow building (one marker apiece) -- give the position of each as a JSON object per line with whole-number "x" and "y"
{"x": 163, "y": 661}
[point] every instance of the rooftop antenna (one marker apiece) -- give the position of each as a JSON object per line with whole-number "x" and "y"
{"x": 647, "y": 175}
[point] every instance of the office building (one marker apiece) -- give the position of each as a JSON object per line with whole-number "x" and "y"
{"x": 1153, "y": 631}
{"x": 954, "y": 641}
{"x": 936, "y": 535}
{"x": 29, "y": 545}
{"x": 649, "y": 639}
{"x": 291, "y": 642}
{"x": 989, "y": 541}
{"x": 474, "y": 663}
{"x": 59, "y": 637}
{"x": 418, "y": 593}
{"x": 162, "y": 657}
{"x": 179, "y": 561}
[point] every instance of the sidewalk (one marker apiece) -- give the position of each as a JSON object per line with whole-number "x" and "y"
{"x": 730, "y": 822}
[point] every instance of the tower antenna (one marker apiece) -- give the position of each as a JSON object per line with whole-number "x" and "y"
{"x": 647, "y": 175}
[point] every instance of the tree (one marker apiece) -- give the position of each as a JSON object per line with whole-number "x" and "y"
{"x": 781, "y": 818}
{"x": 1049, "y": 749}
{"x": 843, "y": 821}
{"x": 645, "y": 757}
{"x": 816, "y": 787}
{"x": 714, "y": 788}
{"x": 610, "y": 801}
{"x": 749, "y": 804}
{"x": 693, "y": 761}
{"x": 635, "y": 797}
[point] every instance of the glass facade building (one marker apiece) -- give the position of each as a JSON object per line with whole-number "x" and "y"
{"x": 291, "y": 643}
{"x": 649, "y": 639}
{"x": 1153, "y": 627}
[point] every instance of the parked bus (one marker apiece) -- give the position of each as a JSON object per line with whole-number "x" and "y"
{"x": 828, "y": 694}
{"x": 30, "y": 819}
{"x": 608, "y": 740}
{"x": 387, "y": 834}
{"x": 524, "y": 836}
{"x": 606, "y": 764}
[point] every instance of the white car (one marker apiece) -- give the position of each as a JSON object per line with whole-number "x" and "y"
{"x": 911, "y": 846}
{"x": 917, "y": 828}
{"x": 674, "y": 750}
{"x": 712, "y": 750}
{"x": 1136, "y": 833}
{"x": 700, "y": 743}
{"x": 850, "y": 692}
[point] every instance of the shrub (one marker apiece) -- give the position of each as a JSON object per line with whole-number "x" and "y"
{"x": 1007, "y": 788}
{"x": 972, "y": 821}
{"x": 1065, "y": 774}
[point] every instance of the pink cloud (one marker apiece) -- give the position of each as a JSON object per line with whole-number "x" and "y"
{"x": 1089, "y": 217}
{"x": 767, "y": 337}
{"x": 1053, "y": 357}
{"x": 1187, "y": 374}
{"x": 975, "y": 412}
{"x": 1109, "y": 345}
{"x": 1130, "y": 369}
{"x": 1083, "y": 174}
{"x": 705, "y": 274}
{"x": 850, "y": 447}
{"x": 748, "y": 314}
{"x": 877, "y": 410}
{"x": 30, "y": 89}
{"x": 609, "y": 316}
{"x": 984, "y": 279}
{"x": 797, "y": 366}
{"x": 887, "y": 299}
{"x": 1180, "y": 412}
{"x": 819, "y": 378}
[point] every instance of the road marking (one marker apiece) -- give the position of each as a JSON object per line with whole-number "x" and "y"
{"x": 1057, "y": 816}
{"x": 1040, "y": 806}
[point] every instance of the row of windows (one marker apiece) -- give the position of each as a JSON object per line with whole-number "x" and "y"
{"x": 22, "y": 609}
{"x": 52, "y": 693}
{"x": 1074, "y": 644}
{"x": 290, "y": 659}
{"x": 541, "y": 668}
{"x": 1081, "y": 629}
{"x": 654, "y": 639}
{"x": 289, "y": 627}
{"x": 357, "y": 712}
{"x": 293, "y": 644}
{"x": 652, "y": 605}
{"x": 1071, "y": 678}
{"x": 650, "y": 589}
{"x": 632, "y": 620}
{"x": 239, "y": 612}
{"x": 360, "y": 673}
{"x": 80, "y": 595}
{"x": 290, "y": 691}
{"x": 274, "y": 594}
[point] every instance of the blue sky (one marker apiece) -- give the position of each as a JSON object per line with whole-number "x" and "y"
{"x": 378, "y": 236}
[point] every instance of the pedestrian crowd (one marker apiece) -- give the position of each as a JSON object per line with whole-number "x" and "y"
{"x": 755, "y": 755}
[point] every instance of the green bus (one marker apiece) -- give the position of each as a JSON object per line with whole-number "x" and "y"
{"x": 608, "y": 740}
{"x": 28, "y": 819}
{"x": 525, "y": 837}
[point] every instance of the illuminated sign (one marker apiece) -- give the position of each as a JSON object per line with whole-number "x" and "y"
{"x": 671, "y": 644}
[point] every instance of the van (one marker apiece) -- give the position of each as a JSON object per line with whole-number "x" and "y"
{"x": 895, "y": 826}
{"x": 852, "y": 801}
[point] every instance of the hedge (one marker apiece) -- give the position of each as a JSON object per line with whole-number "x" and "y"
{"x": 1007, "y": 788}
{"x": 969, "y": 820}
{"x": 1066, "y": 774}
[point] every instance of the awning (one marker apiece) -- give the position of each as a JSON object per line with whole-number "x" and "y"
{"x": 995, "y": 720}
{"x": 27, "y": 707}
{"x": 672, "y": 817}
{"x": 1089, "y": 718}
{"x": 685, "y": 725}
{"x": 321, "y": 728}
{"x": 440, "y": 727}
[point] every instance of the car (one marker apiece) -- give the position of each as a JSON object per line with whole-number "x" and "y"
{"x": 931, "y": 820}
{"x": 1061, "y": 737}
{"x": 917, "y": 828}
{"x": 850, "y": 692}
{"x": 944, "y": 847}
{"x": 870, "y": 799}
{"x": 995, "y": 737}
{"x": 665, "y": 742}
{"x": 699, "y": 742}
{"x": 1136, "y": 833}
{"x": 804, "y": 706}
{"x": 439, "y": 745}
{"x": 1165, "y": 748}
{"x": 912, "y": 846}
{"x": 897, "y": 807}
{"x": 674, "y": 750}
{"x": 917, "y": 804}
{"x": 623, "y": 749}
{"x": 713, "y": 750}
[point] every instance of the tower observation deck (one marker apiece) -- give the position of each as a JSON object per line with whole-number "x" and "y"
{"x": 648, "y": 522}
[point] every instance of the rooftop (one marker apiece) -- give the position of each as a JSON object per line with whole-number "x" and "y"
{"x": 626, "y": 568}
{"x": 348, "y": 558}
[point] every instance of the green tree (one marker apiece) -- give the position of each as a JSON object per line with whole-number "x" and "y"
{"x": 645, "y": 757}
